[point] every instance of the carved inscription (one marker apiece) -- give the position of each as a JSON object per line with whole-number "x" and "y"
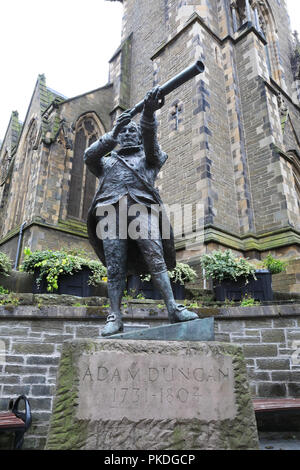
{"x": 114, "y": 385}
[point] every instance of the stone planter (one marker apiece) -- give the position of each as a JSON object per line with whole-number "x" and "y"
{"x": 260, "y": 290}
{"x": 147, "y": 289}
{"x": 69, "y": 284}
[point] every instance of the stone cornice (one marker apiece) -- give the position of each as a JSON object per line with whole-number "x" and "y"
{"x": 196, "y": 18}
{"x": 77, "y": 229}
{"x": 286, "y": 236}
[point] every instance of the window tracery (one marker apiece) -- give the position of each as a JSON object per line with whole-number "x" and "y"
{"x": 83, "y": 182}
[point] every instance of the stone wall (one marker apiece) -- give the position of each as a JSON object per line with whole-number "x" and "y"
{"x": 223, "y": 130}
{"x": 33, "y": 336}
{"x": 223, "y": 151}
{"x": 288, "y": 281}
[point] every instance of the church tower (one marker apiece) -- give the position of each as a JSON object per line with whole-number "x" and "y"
{"x": 232, "y": 133}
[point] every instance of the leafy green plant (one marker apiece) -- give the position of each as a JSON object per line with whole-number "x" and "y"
{"x": 248, "y": 301}
{"x": 182, "y": 274}
{"x": 3, "y": 291}
{"x": 224, "y": 265}
{"x": 192, "y": 304}
{"x": 10, "y": 299}
{"x": 51, "y": 264}
{"x": 131, "y": 295}
{"x": 275, "y": 266}
{"x": 229, "y": 303}
{"x": 128, "y": 295}
{"x": 161, "y": 306}
{"x": 5, "y": 264}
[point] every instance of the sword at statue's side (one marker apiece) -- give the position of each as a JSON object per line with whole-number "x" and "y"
{"x": 175, "y": 82}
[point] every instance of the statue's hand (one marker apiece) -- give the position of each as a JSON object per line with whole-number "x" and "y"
{"x": 153, "y": 101}
{"x": 121, "y": 122}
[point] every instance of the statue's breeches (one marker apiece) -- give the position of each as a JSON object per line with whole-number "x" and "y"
{"x": 129, "y": 225}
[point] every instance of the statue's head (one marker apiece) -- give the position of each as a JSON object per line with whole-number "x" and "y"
{"x": 130, "y": 135}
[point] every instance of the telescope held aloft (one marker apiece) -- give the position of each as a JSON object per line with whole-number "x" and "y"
{"x": 175, "y": 82}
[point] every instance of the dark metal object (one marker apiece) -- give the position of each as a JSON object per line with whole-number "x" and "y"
{"x": 128, "y": 174}
{"x": 19, "y": 244}
{"x": 24, "y": 416}
{"x": 136, "y": 286}
{"x": 175, "y": 82}
{"x": 197, "y": 330}
{"x": 16, "y": 421}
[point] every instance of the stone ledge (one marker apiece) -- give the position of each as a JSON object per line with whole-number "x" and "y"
{"x": 260, "y": 311}
{"x": 145, "y": 310}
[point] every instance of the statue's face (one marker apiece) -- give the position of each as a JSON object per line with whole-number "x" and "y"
{"x": 129, "y": 136}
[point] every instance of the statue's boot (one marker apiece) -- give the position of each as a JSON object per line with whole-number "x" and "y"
{"x": 177, "y": 313}
{"x": 113, "y": 325}
{"x": 180, "y": 313}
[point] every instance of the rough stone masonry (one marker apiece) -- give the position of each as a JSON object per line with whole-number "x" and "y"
{"x": 152, "y": 395}
{"x": 231, "y": 134}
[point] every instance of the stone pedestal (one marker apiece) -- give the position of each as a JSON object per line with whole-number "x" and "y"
{"x": 122, "y": 394}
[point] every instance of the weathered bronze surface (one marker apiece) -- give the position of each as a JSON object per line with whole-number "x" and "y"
{"x": 126, "y": 197}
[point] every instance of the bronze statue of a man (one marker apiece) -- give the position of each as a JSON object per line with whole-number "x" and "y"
{"x": 126, "y": 180}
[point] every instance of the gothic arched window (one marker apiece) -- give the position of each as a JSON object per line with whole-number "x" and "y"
{"x": 83, "y": 182}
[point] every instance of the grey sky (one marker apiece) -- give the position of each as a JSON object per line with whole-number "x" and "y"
{"x": 70, "y": 41}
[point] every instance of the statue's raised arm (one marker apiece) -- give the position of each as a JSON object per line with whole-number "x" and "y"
{"x": 127, "y": 161}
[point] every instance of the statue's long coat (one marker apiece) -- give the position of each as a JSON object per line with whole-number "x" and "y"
{"x": 100, "y": 159}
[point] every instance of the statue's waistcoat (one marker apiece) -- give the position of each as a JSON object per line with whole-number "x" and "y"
{"x": 126, "y": 175}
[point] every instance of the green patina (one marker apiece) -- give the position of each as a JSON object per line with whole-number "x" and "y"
{"x": 178, "y": 438}
{"x": 72, "y": 226}
{"x": 99, "y": 311}
{"x": 66, "y": 431}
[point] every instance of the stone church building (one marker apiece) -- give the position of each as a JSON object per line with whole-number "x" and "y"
{"x": 232, "y": 133}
